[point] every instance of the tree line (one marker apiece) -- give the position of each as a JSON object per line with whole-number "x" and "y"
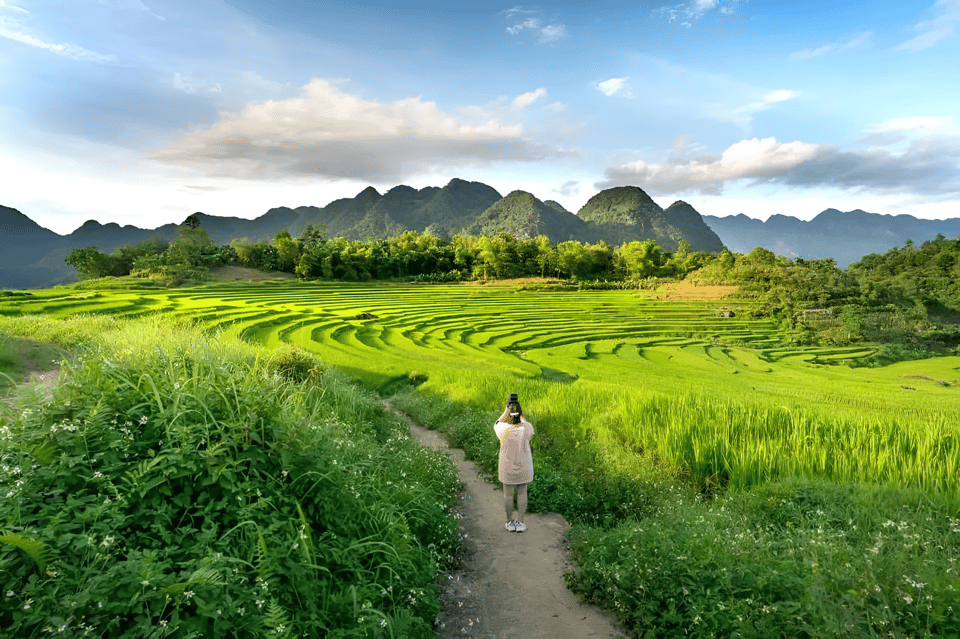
{"x": 912, "y": 287}
{"x": 411, "y": 255}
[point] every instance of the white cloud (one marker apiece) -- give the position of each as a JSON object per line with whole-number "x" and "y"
{"x": 524, "y": 100}
{"x": 13, "y": 30}
{"x": 546, "y": 31}
{"x": 909, "y": 129}
{"x": 752, "y": 159}
{"x": 330, "y": 134}
{"x": 568, "y": 188}
{"x": 936, "y": 29}
{"x": 614, "y": 86}
{"x": 743, "y": 115}
{"x": 552, "y": 32}
{"x": 139, "y": 4}
{"x": 929, "y": 166}
{"x": 192, "y": 86}
{"x": 12, "y": 7}
{"x": 861, "y": 40}
{"x": 911, "y": 123}
{"x": 685, "y": 12}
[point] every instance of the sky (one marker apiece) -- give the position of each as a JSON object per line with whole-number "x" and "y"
{"x": 145, "y": 111}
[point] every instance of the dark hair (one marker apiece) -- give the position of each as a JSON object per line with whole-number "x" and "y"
{"x": 508, "y": 417}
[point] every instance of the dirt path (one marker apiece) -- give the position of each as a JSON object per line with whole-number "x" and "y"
{"x": 510, "y": 584}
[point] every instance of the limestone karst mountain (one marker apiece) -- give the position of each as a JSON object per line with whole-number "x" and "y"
{"x": 624, "y": 213}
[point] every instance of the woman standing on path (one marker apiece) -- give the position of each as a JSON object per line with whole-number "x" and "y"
{"x": 516, "y": 461}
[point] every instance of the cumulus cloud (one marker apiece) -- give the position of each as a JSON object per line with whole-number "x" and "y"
{"x": 936, "y": 29}
{"x": 330, "y": 134}
{"x": 861, "y": 40}
{"x": 614, "y": 86}
{"x": 528, "y": 20}
{"x": 929, "y": 166}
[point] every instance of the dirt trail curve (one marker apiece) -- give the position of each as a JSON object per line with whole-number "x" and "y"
{"x": 510, "y": 584}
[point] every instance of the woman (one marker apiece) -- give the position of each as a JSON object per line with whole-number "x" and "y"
{"x": 516, "y": 461}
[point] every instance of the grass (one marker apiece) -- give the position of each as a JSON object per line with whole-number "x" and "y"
{"x": 180, "y": 484}
{"x": 660, "y": 424}
{"x": 19, "y": 357}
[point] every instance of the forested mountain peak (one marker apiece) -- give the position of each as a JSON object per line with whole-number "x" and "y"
{"x": 619, "y": 205}
{"x": 556, "y": 205}
{"x": 369, "y": 194}
{"x": 523, "y": 216}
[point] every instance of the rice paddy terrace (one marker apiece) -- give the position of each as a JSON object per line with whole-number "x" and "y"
{"x": 382, "y": 333}
{"x": 703, "y": 382}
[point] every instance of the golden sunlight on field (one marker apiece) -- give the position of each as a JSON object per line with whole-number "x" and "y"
{"x": 690, "y": 292}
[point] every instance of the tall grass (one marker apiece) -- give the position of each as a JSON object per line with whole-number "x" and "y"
{"x": 183, "y": 485}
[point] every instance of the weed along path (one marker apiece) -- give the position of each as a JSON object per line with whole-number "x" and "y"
{"x": 509, "y": 584}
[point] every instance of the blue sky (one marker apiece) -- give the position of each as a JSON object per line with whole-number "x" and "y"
{"x": 144, "y": 111}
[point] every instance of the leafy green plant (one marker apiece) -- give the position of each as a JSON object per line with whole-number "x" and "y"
{"x": 183, "y": 485}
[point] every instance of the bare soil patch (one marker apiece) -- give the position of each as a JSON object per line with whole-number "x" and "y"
{"x": 692, "y": 292}
{"x": 243, "y": 273}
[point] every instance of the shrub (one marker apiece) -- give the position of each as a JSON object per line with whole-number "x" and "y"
{"x": 182, "y": 486}
{"x": 789, "y": 559}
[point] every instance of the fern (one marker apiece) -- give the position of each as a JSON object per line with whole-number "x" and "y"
{"x": 36, "y": 550}
{"x": 276, "y": 620}
{"x": 133, "y": 478}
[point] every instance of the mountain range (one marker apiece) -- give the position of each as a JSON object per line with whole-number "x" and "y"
{"x": 846, "y": 237}
{"x": 33, "y": 257}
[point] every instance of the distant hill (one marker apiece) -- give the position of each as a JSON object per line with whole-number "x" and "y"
{"x": 523, "y": 216}
{"x": 445, "y": 211}
{"x": 626, "y": 213}
{"x": 846, "y": 237}
{"x": 33, "y": 257}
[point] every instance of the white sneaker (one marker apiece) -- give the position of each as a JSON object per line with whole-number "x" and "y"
{"x": 520, "y": 527}
{"x": 511, "y": 525}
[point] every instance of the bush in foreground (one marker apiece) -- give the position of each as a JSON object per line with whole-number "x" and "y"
{"x": 180, "y": 486}
{"x": 788, "y": 559}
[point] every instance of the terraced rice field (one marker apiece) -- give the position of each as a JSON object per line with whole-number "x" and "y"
{"x": 715, "y": 394}
{"x": 417, "y": 328}
{"x": 381, "y": 333}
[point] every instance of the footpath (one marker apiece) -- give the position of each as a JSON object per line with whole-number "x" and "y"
{"x": 509, "y": 584}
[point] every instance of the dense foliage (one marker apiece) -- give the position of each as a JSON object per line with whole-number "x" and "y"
{"x": 178, "y": 485}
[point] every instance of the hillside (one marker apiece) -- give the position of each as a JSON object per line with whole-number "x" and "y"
{"x": 33, "y": 257}
{"x": 626, "y": 213}
{"x": 846, "y": 237}
{"x": 523, "y": 216}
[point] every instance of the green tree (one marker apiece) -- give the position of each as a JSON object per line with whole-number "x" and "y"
{"x": 288, "y": 251}
{"x": 192, "y": 222}
{"x": 546, "y": 255}
{"x": 639, "y": 259}
{"x": 91, "y": 263}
